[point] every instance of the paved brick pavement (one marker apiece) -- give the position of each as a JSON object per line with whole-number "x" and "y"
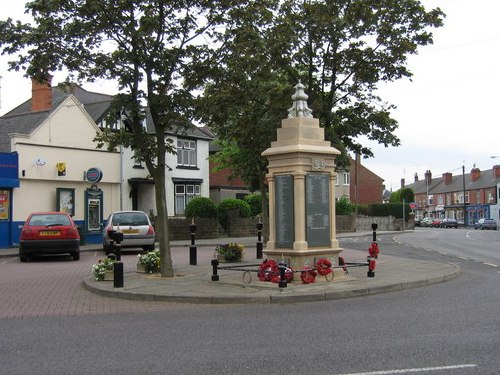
{"x": 53, "y": 287}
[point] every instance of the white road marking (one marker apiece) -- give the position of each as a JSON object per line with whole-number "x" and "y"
{"x": 413, "y": 370}
{"x": 463, "y": 258}
{"x": 491, "y": 264}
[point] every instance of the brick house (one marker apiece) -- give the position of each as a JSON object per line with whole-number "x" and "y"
{"x": 475, "y": 193}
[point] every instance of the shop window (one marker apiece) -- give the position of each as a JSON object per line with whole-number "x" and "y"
{"x": 4, "y": 204}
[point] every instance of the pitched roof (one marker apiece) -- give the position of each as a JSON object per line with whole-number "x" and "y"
{"x": 21, "y": 120}
{"x": 437, "y": 185}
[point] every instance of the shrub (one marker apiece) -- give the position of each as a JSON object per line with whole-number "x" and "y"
{"x": 343, "y": 207}
{"x": 255, "y": 203}
{"x": 201, "y": 207}
{"x": 229, "y": 204}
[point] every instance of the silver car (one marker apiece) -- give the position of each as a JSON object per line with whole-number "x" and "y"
{"x": 138, "y": 232}
{"x": 486, "y": 224}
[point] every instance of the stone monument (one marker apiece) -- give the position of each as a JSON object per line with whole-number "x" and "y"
{"x": 301, "y": 177}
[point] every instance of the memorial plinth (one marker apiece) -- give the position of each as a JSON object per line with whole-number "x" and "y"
{"x": 301, "y": 177}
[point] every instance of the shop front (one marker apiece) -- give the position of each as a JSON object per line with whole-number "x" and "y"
{"x": 9, "y": 180}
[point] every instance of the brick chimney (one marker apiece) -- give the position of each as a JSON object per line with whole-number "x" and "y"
{"x": 496, "y": 171}
{"x": 41, "y": 95}
{"x": 475, "y": 173}
{"x": 428, "y": 176}
{"x": 447, "y": 178}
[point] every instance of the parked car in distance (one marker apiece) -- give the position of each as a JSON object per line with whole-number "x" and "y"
{"x": 138, "y": 232}
{"x": 485, "y": 224}
{"x": 449, "y": 223}
{"x": 49, "y": 233}
{"x": 426, "y": 222}
{"x": 437, "y": 223}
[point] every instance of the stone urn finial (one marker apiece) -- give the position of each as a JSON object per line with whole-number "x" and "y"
{"x": 299, "y": 107}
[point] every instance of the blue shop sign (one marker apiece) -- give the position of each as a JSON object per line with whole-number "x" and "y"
{"x": 94, "y": 175}
{"x": 9, "y": 169}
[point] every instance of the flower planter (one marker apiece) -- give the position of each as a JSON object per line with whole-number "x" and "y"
{"x": 141, "y": 268}
{"x": 222, "y": 259}
{"x": 109, "y": 275}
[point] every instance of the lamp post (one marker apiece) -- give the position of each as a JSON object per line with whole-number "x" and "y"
{"x": 465, "y": 204}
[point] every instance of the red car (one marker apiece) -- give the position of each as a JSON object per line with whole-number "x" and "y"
{"x": 49, "y": 233}
{"x": 437, "y": 223}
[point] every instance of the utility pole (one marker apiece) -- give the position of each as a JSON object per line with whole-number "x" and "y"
{"x": 465, "y": 204}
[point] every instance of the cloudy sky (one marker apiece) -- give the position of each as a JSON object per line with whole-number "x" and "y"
{"x": 448, "y": 113}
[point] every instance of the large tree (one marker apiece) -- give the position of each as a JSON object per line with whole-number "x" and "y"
{"x": 340, "y": 49}
{"x": 149, "y": 47}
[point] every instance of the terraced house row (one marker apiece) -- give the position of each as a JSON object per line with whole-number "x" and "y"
{"x": 466, "y": 197}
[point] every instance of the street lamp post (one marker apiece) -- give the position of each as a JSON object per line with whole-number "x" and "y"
{"x": 465, "y": 204}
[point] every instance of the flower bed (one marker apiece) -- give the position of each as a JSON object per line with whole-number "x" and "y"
{"x": 103, "y": 265}
{"x": 150, "y": 261}
{"x": 231, "y": 252}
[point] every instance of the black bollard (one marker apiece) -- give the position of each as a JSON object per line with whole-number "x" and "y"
{"x": 118, "y": 275}
{"x": 259, "y": 240}
{"x": 192, "y": 248}
{"x": 374, "y": 227}
{"x": 118, "y": 238}
{"x": 371, "y": 267}
{"x": 215, "y": 263}
{"x": 282, "y": 268}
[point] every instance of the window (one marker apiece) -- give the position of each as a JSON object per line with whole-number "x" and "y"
{"x": 183, "y": 195}
{"x": 440, "y": 200}
{"x": 186, "y": 153}
{"x": 345, "y": 178}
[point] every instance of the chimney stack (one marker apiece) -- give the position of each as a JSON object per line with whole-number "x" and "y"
{"x": 447, "y": 178}
{"x": 41, "y": 95}
{"x": 415, "y": 178}
{"x": 496, "y": 171}
{"x": 428, "y": 177}
{"x": 475, "y": 173}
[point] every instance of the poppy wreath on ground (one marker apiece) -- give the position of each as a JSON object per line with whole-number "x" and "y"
{"x": 308, "y": 275}
{"x": 323, "y": 266}
{"x": 267, "y": 270}
{"x": 276, "y": 277}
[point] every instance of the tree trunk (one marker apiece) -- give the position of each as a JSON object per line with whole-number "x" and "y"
{"x": 166, "y": 267}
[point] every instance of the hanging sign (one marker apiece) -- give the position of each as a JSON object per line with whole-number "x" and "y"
{"x": 94, "y": 175}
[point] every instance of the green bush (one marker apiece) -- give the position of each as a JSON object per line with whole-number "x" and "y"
{"x": 390, "y": 209}
{"x": 255, "y": 203}
{"x": 201, "y": 207}
{"x": 229, "y": 204}
{"x": 343, "y": 207}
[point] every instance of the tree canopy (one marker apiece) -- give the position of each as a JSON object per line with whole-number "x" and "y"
{"x": 232, "y": 63}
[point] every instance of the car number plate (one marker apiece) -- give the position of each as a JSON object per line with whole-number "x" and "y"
{"x": 130, "y": 231}
{"x": 50, "y": 233}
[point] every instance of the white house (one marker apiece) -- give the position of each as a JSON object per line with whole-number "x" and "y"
{"x": 61, "y": 168}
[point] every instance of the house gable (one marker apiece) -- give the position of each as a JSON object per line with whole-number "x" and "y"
{"x": 69, "y": 125}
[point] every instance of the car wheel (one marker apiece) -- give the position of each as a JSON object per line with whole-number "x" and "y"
{"x": 148, "y": 248}
{"x": 22, "y": 256}
{"x": 76, "y": 255}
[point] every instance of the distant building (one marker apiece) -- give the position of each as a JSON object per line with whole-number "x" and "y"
{"x": 466, "y": 197}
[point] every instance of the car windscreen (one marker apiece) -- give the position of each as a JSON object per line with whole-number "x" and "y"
{"x": 49, "y": 220}
{"x": 130, "y": 218}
